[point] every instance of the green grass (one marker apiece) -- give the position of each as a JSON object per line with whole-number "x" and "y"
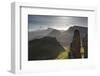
{"x": 64, "y": 54}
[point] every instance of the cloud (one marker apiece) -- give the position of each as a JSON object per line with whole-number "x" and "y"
{"x": 36, "y": 22}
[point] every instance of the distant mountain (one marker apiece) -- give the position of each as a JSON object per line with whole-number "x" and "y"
{"x": 39, "y": 34}
{"x": 64, "y": 37}
{"x": 44, "y": 48}
{"x": 54, "y": 33}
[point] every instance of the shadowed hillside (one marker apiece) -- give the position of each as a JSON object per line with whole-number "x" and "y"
{"x": 44, "y": 48}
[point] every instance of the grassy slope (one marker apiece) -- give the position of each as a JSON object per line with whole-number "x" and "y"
{"x": 64, "y": 55}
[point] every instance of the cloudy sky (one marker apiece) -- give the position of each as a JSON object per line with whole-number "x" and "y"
{"x": 40, "y": 22}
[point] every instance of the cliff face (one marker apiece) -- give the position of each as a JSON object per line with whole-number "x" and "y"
{"x": 85, "y": 46}
{"x": 75, "y": 46}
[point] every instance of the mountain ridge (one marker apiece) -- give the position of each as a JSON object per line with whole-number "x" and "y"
{"x": 64, "y": 37}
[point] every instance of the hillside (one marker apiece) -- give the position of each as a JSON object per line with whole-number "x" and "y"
{"x": 44, "y": 48}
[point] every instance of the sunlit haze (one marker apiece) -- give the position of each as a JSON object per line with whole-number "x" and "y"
{"x": 42, "y": 22}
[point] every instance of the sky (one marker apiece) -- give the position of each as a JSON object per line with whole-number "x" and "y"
{"x": 41, "y": 22}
